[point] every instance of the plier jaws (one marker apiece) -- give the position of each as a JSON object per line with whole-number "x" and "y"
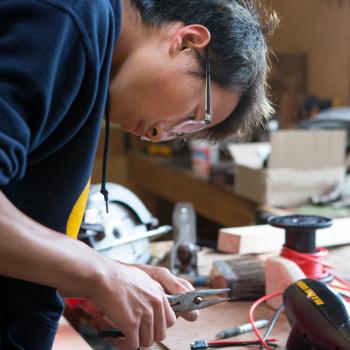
{"x": 193, "y": 300}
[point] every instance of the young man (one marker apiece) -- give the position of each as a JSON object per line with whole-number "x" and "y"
{"x": 58, "y": 61}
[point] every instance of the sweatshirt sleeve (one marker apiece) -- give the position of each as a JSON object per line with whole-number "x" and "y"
{"x": 43, "y": 61}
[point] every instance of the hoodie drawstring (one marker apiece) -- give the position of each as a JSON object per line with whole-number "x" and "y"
{"x": 105, "y": 153}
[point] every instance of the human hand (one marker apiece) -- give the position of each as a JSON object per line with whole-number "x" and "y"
{"x": 129, "y": 298}
{"x": 94, "y": 316}
{"x": 171, "y": 284}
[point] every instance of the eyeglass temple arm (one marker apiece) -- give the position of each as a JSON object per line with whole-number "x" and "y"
{"x": 208, "y": 116}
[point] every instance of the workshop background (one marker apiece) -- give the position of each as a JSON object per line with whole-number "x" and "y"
{"x": 310, "y": 73}
{"x": 219, "y": 199}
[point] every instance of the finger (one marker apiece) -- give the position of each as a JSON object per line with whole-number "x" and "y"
{"x": 146, "y": 330}
{"x": 167, "y": 280}
{"x": 170, "y": 282}
{"x": 190, "y": 315}
{"x": 160, "y": 322}
{"x": 185, "y": 283}
{"x": 125, "y": 343}
{"x": 131, "y": 340}
{"x": 170, "y": 317}
{"x": 122, "y": 344}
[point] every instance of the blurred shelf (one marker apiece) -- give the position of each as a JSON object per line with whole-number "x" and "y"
{"x": 162, "y": 179}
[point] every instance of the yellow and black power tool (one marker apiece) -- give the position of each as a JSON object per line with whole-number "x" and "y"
{"x": 318, "y": 316}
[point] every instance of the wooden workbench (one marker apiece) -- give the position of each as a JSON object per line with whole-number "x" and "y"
{"x": 160, "y": 178}
{"x": 216, "y": 318}
{"x": 219, "y": 317}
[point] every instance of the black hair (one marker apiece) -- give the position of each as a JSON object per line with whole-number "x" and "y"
{"x": 238, "y": 52}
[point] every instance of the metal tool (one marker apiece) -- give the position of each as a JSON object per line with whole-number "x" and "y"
{"x": 318, "y": 316}
{"x": 184, "y": 253}
{"x": 125, "y": 232}
{"x": 193, "y": 300}
{"x": 189, "y": 301}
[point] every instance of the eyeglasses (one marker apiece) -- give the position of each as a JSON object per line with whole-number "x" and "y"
{"x": 191, "y": 125}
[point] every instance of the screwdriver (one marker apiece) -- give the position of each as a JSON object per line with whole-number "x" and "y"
{"x": 245, "y": 328}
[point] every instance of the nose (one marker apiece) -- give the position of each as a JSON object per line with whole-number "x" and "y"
{"x": 156, "y": 134}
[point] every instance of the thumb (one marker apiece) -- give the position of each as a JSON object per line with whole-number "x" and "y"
{"x": 171, "y": 283}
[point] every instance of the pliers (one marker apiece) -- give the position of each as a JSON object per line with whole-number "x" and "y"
{"x": 193, "y": 300}
{"x": 189, "y": 301}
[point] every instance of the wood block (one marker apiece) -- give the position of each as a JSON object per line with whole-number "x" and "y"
{"x": 279, "y": 274}
{"x": 244, "y": 275}
{"x": 264, "y": 238}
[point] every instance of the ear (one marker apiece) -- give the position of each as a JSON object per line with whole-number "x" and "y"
{"x": 194, "y": 36}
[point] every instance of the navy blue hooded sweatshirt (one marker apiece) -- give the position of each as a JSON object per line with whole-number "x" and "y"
{"x": 55, "y": 58}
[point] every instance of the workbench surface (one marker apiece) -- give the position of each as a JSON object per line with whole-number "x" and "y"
{"x": 219, "y": 317}
{"x": 216, "y": 318}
